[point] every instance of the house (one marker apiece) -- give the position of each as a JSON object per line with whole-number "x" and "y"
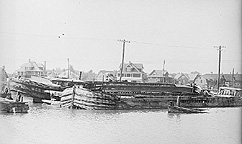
{"x": 181, "y": 79}
{"x": 160, "y": 76}
{"x": 3, "y": 78}
{"x": 200, "y": 81}
{"x": 196, "y": 78}
{"x": 104, "y": 75}
{"x": 211, "y": 80}
{"x": 31, "y": 69}
{"x": 225, "y": 80}
{"x": 233, "y": 80}
{"x": 132, "y": 72}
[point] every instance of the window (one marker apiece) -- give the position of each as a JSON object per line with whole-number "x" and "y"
{"x": 136, "y": 75}
{"x": 128, "y": 75}
{"x": 129, "y": 68}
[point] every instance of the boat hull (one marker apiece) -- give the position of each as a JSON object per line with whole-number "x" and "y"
{"x": 84, "y": 99}
{"x": 176, "y": 109}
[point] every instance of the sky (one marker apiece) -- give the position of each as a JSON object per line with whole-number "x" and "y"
{"x": 184, "y": 33}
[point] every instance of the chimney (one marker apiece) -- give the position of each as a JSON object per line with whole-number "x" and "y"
{"x": 29, "y": 60}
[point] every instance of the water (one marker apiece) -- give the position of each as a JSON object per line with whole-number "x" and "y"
{"x": 46, "y": 124}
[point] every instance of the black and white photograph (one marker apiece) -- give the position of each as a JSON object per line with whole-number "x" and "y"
{"x": 120, "y": 72}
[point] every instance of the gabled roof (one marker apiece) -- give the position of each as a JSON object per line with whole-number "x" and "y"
{"x": 191, "y": 77}
{"x": 105, "y": 71}
{"x": 228, "y": 77}
{"x": 237, "y": 77}
{"x": 138, "y": 66}
{"x": 36, "y": 66}
{"x": 177, "y": 76}
{"x": 157, "y": 73}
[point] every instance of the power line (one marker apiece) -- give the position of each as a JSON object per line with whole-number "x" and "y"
{"x": 157, "y": 44}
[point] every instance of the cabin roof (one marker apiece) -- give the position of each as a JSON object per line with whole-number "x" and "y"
{"x": 230, "y": 88}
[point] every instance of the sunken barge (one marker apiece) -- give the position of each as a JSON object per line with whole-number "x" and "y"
{"x": 126, "y": 95}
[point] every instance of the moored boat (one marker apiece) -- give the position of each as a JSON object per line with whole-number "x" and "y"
{"x": 177, "y": 109}
{"x": 172, "y": 108}
{"x": 32, "y": 88}
{"x": 11, "y": 106}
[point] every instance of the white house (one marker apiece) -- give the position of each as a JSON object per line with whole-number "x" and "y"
{"x": 31, "y": 69}
{"x": 132, "y": 72}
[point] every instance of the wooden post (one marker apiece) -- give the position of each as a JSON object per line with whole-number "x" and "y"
{"x": 219, "y": 61}
{"x": 121, "y": 70}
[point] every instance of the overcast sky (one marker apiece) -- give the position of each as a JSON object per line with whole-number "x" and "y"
{"x": 181, "y": 32}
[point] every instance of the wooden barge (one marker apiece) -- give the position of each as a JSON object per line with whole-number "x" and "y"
{"x": 127, "y": 95}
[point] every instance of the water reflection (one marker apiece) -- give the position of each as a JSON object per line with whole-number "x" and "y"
{"x": 174, "y": 115}
{"x": 50, "y": 124}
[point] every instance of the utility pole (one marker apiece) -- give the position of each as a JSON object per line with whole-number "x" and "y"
{"x": 68, "y": 68}
{"x": 233, "y": 78}
{"x": 163, "y": 71}
{"x": 219, "y": 62}
{"x": 121, "y": 73}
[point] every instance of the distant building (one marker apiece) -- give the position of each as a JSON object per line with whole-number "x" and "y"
{"x": 104, "y": 75}
{"x": 160, "y": 76}
{"x": 196, "y": 78}
{"x": 3, "y": 78}
{"x": 31, "y": 69}
{"x": 181, "y": 79}
{"x": 132, "y": 72}
{"x": 225, "y": 80}
{"x": 200, "y": 81}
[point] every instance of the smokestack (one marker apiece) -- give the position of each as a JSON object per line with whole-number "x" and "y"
{"x": 29, "y": 60}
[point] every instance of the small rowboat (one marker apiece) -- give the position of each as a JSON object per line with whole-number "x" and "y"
{"x": 11, "y": 106}
{"x": 177, "y": 109}
{"x": 172, "y": 108}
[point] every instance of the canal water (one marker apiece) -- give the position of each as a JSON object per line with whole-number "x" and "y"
{"x": 45, "y": 124}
